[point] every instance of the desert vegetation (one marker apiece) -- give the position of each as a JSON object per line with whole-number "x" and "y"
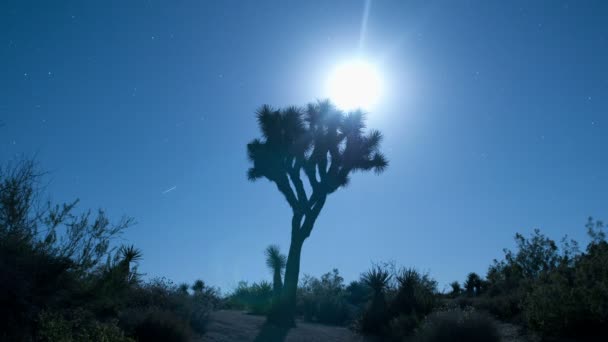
{"x": 66, "y": 276}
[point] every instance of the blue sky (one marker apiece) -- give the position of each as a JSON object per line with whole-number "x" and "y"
{"x": 495, "y": 119}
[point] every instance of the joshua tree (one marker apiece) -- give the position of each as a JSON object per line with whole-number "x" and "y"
{"x": 323, "y": 144}
{"x": 473, "y": 284}
{"x": 276, "y": 263}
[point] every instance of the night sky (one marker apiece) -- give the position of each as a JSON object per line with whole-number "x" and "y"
{"x": 495, "y": 117}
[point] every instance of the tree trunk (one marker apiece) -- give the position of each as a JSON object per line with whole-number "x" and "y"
{"x": 277, "y": 283}
{"x": 283, "y": 312}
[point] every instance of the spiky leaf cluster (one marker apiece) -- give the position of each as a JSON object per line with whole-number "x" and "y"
{"x": 274, "y": 259}
{"x": 322, "y": 142}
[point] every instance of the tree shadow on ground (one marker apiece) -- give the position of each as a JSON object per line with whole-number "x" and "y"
{"x": 271, "y": 333}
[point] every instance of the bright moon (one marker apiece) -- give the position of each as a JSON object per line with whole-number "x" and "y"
{"x": 354, "y": 85}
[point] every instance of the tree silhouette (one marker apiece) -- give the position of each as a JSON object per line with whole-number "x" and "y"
{"x": 276, "y": 263}
{"x": 456, "y": 289}
{"x": 323, "y": 144}
{"x": 198, "y": 286}
{"x": 473, "y": 284}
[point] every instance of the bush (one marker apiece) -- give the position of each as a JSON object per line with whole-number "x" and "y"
{"x": 77, "y": 326}
{"x": 159, "y": 325}
{"x": 325, "y": 300}
{"x": 402, "y": 327}
{"x": 50, "y": 257}
{"x": 160, "y": 297}
{"x": 572, "y": 301}
{"x": 416, "y": 294}
{"x": 458, "y": 325}
{"x": 62, "y": 280}
{"x": 256, "y": 298}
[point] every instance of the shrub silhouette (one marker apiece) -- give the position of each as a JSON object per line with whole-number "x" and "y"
{"x": 571, "y": 299}
{"x": 324, "y": 300}
{"x": 162, "y": 326}
{"x": 61, "y": 277}
{"x": 325, "y": 145}
{"x": 50, "y": 258}
{"x": 473, "y": 284}
{"x": 455, "y": 288}
{"x": 415, "y": 298}
{"x": 458, "y": 325}
{"x": 256, "y": 298}
{"x": 376, "y": 315}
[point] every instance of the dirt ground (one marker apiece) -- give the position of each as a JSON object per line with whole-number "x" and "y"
{"x": 229, "y": 326}
{"x": 238, "y": 326}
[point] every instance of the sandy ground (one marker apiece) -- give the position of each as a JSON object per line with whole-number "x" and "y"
{"x": 237, "y": 326}
{"x": 231, "y": 326}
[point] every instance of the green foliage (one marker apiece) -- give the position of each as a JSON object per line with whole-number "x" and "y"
{"x": 458, "y": 325}
{"x": 256, "y": 298}
{"x": 161, "y": 295}
{"x": 325, "y": 300}
{"x": 556, "y": 291}
{"x": 62, "y": 277}
{"x": 415, "y": 298}
{"x": 572, "y": 301}
{"x": 77, "y": 326}
{"x": 357, "y": 293}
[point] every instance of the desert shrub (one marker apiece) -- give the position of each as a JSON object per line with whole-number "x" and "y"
{"x": 50, "y": 257}
{"x": 324, "y": 300}
{"x": 455, "y": 289}
{"x": 256, "y": 298}
{"x": 375, "y": 317}
{"x": 458, "y": 325}
{"x": 506, "y": 306}
{"x": 416, "y": 293}
{"x": 572, "y": 301}
{"x": 508, "y": 281}
{"x": 162, "y": 325}
{"x": 78, "y": 325}
{"x": 415, "y": 297}
{"x": 402, "y": 327}
{"x": 63, "y": 279}
{"x": 160, "y": 297}
{"x": 357, "y": 294}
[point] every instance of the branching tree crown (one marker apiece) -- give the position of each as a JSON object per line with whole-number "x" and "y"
{"x": 320, "y": 142}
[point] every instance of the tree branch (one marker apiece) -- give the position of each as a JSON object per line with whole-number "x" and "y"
{"x": 294, "y": 175}
{"x": 310, "y": 219}
{"x": 287, "y": 191}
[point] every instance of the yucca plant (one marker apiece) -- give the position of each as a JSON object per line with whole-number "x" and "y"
{"x": 276, "y": 263}
{"x": 415, "y": 294}
{"x": 128, "y": 255}
{"x": 325, "y": 145}
{"x": 183, "y": 288}
{"x": 377, "y": 279}
{"x": 375, "y": 317}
